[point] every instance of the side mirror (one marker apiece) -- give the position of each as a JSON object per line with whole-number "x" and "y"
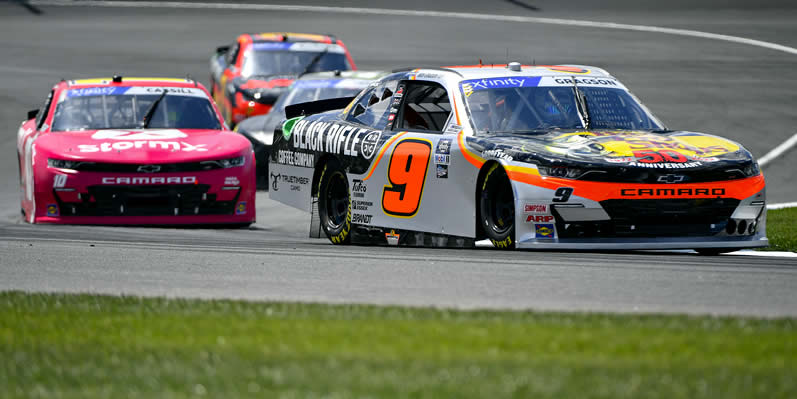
{"x": 222, "y": 49}
{"x": 32, "y": 113}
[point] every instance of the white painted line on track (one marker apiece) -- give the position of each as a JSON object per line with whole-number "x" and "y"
{"x": 419, "y": 13}
{"x": 778, "y": 151}
{"x": 782, "y": 205}
{"x": 750, "y": 252}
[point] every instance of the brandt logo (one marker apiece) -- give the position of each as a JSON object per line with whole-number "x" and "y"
{"x": 671, "y": 178}
{"x": 149, "y": 168}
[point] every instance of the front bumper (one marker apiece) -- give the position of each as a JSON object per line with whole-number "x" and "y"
{"x": 223, "y": 196}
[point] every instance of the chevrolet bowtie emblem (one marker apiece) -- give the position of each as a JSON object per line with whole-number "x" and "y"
{"x": 149, "y": 168}
{"x": 671, "y": 178}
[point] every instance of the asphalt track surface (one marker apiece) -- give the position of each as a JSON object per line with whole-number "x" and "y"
{"x": 739, "y": 91}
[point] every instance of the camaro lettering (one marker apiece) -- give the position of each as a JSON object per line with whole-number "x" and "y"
{"x": 149, "y": 180}
{"x": 671, "y": 192}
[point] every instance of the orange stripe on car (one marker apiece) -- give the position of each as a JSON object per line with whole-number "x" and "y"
{"x": 382, "y": 152}
{"x": 469, "y": 155}
{"x": 599, "y": 191}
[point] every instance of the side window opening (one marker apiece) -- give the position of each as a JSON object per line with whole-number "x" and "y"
{"x": 232, "y": 55}
{"x": 372, "y": 107}
{"x": 42, "y": 115}
{"x": 426, "y": 107}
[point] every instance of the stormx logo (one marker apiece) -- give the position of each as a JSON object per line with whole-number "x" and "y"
{"x": 671, "y": 178}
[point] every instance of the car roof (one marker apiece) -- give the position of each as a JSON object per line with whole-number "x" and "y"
{"x": 289, "y": 37}
{"x": 129, "y": 82}
{"x": 364, "y": 75}
{"x": 501, "y": 70}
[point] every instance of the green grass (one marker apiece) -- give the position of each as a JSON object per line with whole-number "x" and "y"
{"x": 782, "y": 229}
{"x": 82, "y": 346}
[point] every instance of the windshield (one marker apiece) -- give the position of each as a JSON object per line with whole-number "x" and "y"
{"x": 312, "y": 90}
{"x": 292, "y": 59}
{"x": 526, "y": 104}
{"x": 125, "y": 108}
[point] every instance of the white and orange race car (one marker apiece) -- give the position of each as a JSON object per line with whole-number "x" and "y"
{"x": 133, "y": 151}
{"x": 556, "y": 157}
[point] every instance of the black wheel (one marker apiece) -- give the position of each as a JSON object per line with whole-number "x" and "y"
{"x": 714, "y": 251}
{"x": 497, "y": 208}
{"x": 334, "y": 204}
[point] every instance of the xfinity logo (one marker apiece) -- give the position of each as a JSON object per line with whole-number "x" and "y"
{"x": 671, "y": 178}
{"x": 149, "y": 180}
{"x": 149, "y": 168}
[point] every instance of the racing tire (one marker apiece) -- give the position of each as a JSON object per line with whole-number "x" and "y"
{"x": 334, "y": 204}
{"x": 497, "y": 208}
{"x": 714, "y": 251}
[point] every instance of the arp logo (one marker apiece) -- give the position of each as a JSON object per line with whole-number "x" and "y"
{"x": 539, "y": 218}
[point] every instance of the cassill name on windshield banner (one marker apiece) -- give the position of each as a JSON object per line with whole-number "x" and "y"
{"x": 130, "y": 91}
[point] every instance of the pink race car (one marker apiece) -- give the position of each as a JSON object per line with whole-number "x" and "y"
{"x": 133, "y": 151}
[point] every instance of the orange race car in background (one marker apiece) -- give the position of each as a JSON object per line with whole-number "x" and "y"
{"x": 247, "y": 76}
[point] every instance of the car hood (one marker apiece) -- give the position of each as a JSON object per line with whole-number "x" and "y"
{"x": 611, "y": 147}
{"x": 143, "y": 145}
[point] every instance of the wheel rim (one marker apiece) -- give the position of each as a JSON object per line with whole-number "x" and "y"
{"x": 499, "y": 206}
{"x": 337, "y": 201}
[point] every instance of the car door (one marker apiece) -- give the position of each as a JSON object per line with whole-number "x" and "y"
{"x": 411, "y": 183}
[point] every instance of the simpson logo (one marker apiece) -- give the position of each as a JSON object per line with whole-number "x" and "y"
{"x": 535, "y": 208}
{"x": 152, "y": 145}
{"x": 149, "y": 180}
{"x": 539, "y": 219}
{"x": 131, "y": 135}
{"x": 543, "y": 231}
{"x": 672, "y": 192}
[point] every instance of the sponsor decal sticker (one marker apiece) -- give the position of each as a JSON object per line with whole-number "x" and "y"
{"x": 52, "y": 210}
{"x": 295, "y": 158}
{"x": 496, "y": 154}
{"x": 231, "y": 181}
{"x": 442, "y": 171}
{"x": 275, "y": 181}
{"x": 543, "y": 231}
{"x": 469, "y": 86}
{"x": 444, "y": 145}
{"x": 335, "y": 138}
{"x": 130, "y": 135}
{"x": 539, "y": 218}
{"x": 359, "y": 188}
{"x": 392, "y": 238}
{"x": 359, "y": 218}
{"x": 442, "y": 159}
{"x": 240, "y": 209}
{"x": 536, "y": 208}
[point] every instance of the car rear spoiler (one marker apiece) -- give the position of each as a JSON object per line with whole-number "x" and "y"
{"x": 316, "y": 107}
